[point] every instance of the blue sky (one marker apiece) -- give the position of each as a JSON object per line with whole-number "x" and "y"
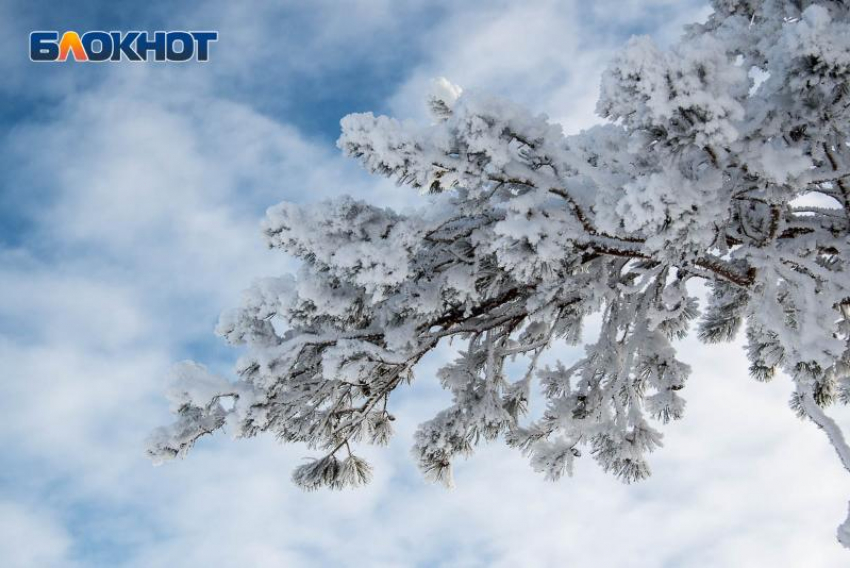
{"x": 130, "y": 202}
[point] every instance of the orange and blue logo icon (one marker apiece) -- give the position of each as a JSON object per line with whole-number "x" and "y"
{"x": 101, "y": 46}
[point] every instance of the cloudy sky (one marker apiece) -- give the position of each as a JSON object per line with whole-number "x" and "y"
{"x": 130, "y": 201}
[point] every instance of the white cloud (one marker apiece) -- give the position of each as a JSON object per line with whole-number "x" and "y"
{"x": 29, "y": 539}
{"x": 154, "y": 188}
{"x": 546, "y": 54}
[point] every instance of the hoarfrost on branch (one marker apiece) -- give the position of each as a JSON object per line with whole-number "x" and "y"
{"x": 700, "y": 174}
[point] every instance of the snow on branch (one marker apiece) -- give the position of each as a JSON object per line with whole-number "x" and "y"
{"x": 699, "y": 175}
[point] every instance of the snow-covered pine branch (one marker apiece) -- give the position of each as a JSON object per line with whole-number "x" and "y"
{"x": 701, "y": 174}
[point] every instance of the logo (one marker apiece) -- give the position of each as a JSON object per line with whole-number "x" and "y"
{"x": 101, "y": 46}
